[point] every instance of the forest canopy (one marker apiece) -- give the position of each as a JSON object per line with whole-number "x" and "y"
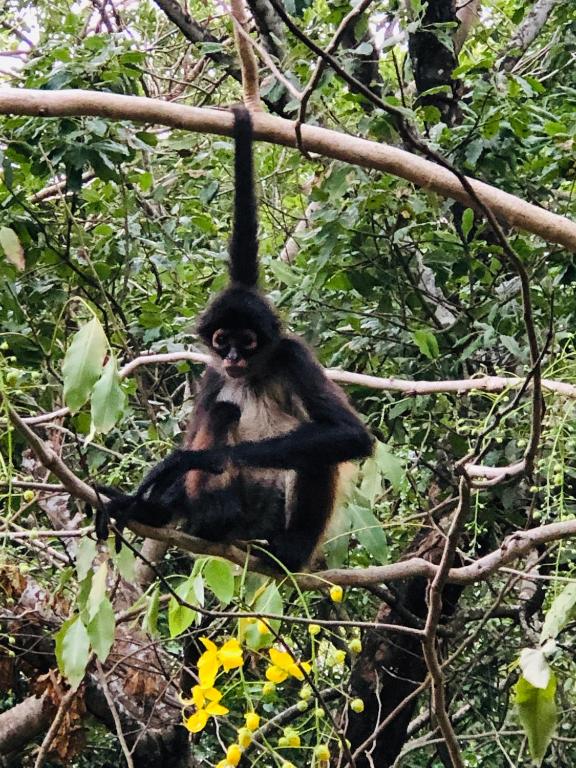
{"x": 417, "y": 223}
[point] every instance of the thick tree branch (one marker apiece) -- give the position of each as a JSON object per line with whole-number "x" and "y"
{"x": 24, "y": 722}
{"x": 368, "y": 154}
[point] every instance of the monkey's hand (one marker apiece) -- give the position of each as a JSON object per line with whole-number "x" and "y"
{"x": 213, "y": 460}
{"x": 118, "y": 507}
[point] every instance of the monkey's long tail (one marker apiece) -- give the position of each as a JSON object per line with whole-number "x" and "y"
{"x": 244, "y": 243}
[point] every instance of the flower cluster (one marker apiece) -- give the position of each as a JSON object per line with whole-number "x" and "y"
{"x": 205, "y": 697}
{"x": 234, "y": 751}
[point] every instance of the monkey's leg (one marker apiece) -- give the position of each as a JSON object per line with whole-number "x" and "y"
{"x": 311, "y": 508}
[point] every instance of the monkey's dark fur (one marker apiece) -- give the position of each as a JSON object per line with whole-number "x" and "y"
{"x": 263, "y": 450}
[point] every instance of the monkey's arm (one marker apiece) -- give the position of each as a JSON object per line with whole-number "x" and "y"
{"x": 158, "y": 498}
{"x": 334, "y": 433}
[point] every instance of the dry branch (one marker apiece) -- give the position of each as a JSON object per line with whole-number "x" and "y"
{"x": 368, "y": 154}
{"x": 528, "y": 31}
{"x": 248, "y": 63}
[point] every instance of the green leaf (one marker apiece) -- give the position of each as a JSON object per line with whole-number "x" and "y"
{"x": 467, "y": 221}
{"x": 426, "y": 343}
{"x": 284, "y": 273}
{"x": 150, "y": 621}
{"x": 101, "y": 630}
{"x": 219, "y": 578}
{"x": 180, "y": 617}
{"x": 337, "y": 541}
{"x": 560, "y": 613}
{"x": 97, "y": 591}
{"x": 268, "y": 601}
{"x": 125, "y": 562}
{"x": 368, "y": 530}
{"x": 12, "y": 247}
{"x": 209, "y": 192}
{"x": 512, "y": 346}
{"x": 473, "y": 151}
{"x": 108, "y": 398}
{"x": 85, "y": 554}
{"x": 72, "y": 651}
{"x": 537, "y": 713}
{"x": 371, "y": 486}
{"x": 83, "y": 363}
{"x": 390, "y": 465}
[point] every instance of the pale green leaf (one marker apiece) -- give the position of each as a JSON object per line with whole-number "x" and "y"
{"x": 73, "y": 651}
{"x": 336, "y": 545}
{"x": 219, "y": 578}
{"x": 108, "y": 398}
{"x": 101, "y": 630}
{"x": 125, "y": 562}
{"x": 284, "y": 273}
{"x": 534, "y": 666}
{"x": 97, "y": 591}
{"x": 537, "y": 713}
{"x": 368, "y": 530}
{"x": 85, "y": 554}
{"x": 180, "y": 617}
{"x": 12, "y": 247}
{"x": 268, "y": 601}
{"x": 150, "y": 620}
{"x": 390, "y": 465}
{"x": 371, "y": 485}
{"x": 83, "y": 363}
{"x": 560, "y": 613}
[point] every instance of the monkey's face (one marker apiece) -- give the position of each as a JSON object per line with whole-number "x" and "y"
{"x": 236, "y": 348}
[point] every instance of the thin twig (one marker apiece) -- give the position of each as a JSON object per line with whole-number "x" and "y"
{"x": 435, "y": 603}
{"x": 65, "y": 703}
{"x": 115, "y": 715}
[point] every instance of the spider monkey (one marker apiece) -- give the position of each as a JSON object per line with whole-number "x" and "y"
{"x": 263, "y": 449}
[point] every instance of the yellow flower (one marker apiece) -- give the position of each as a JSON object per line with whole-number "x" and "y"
{"x": 197, "y": 721}
{"x": 244, "y": 737}
{"x": 263, "y": 628}
{"x": 284, "y": 665}
{"x": 233, "y": 754}
{"x": 355, "y": 645}
{"x": 292, "y": 737}
{"x": 268, "y": 689}
{"x": 252, "y": 720}
{"x": 336, "y": 593}
{"x": 230, "y": 655}
{"x": 206, "y": 701}
{"x": 314, "y": 629}
{"x": 208, "y": 663}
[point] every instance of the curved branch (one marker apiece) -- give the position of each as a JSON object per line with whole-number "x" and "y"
{"x": 368, "y": 154}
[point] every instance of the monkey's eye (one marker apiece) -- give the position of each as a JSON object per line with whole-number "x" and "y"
{"x": 248, "y": 340}
{"x": 219, "y": 339}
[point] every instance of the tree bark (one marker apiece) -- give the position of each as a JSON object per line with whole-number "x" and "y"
{"x": 369, "y": 154}
{"x": 24, "y": 722}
